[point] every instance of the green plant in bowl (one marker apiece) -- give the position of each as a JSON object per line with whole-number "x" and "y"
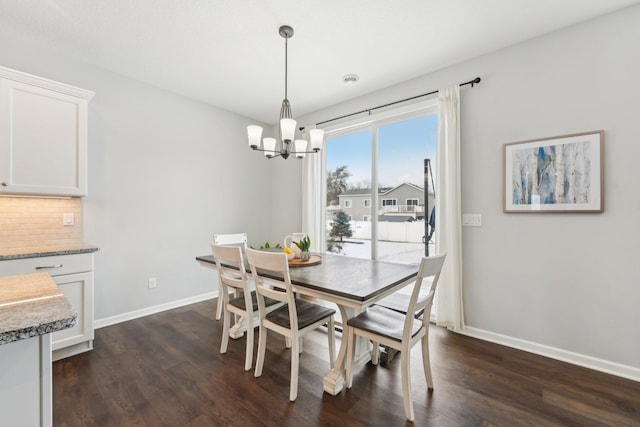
{"x": 304, "y": 245}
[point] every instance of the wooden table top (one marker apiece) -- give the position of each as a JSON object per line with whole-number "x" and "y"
{"x": 352, "y": 278}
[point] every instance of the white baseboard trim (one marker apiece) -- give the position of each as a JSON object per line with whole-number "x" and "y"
{"x": 112, "y": 320}
{"x": 601, "y": 365}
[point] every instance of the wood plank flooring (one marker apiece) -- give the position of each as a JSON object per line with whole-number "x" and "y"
{"x": 166, "y": 370}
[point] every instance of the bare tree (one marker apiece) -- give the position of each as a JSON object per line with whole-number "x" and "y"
{"x": 336, "y": 184}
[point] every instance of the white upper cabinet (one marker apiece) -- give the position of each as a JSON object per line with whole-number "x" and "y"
{"x": 43, "y": 136}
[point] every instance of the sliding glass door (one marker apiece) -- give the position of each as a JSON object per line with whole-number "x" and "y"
{"x": 376, "y": 188}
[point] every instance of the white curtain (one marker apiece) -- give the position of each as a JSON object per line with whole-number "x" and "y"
{"x": 449, "y": 311}
{"x": 312, "y": 200}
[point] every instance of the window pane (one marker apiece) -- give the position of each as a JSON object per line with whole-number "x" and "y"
{"x": 348, "y": 186}
{"x": 402, "y": 148}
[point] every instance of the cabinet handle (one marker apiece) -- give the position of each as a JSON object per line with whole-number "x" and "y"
{"x": 4, "y": 184}
{"x": 40, "y": 267}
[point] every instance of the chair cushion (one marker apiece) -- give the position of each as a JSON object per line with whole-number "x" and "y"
{"x": 383, "y": 321}
{"x": 239, "y": 302}
{"x": 308, "y": 313}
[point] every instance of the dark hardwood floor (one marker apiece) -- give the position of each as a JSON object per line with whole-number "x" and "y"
{"x": 166, "y": 370}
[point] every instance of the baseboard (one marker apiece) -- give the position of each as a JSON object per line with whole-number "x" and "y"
{"x": 112, "y": 320}
{"x": 601, "y": 365}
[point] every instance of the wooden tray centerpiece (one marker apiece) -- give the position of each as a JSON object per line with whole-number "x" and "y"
{"x": 304, "y": 245}
{"x": 297, "y": 262}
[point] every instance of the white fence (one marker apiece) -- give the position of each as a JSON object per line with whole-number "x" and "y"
{"x": 401, "y": 209}
{"x": 411, "y": 232}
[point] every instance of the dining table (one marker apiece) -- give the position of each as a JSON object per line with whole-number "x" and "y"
{"x": 353, "y": 284}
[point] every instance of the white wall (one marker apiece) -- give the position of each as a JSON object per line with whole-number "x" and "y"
{"x": 566, "y": 285}
{"x": 165, "y": 173}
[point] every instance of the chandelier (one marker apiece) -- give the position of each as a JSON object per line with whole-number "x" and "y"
{"x": 287, "y": 145}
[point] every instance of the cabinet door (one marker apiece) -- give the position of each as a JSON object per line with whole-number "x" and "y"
{"x": 78, "y": 288}
{"x": 43, "y": 141}
{"x": 25, "y": 394}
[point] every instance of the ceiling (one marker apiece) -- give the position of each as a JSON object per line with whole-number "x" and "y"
{"x": 229, "y": 54}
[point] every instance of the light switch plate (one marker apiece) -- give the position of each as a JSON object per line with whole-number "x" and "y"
{"x": 68, "y": 218}
{"x": 472, "y": 220}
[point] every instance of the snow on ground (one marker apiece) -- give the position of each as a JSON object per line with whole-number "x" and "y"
{"x": 401, "y": 252}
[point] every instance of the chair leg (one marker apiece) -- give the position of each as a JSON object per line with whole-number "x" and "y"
{"x": 225, "y": 332}
{"x": 295, "y": 367}
{"x": 405, "y": 367}
{"x": 248, "y": 358}
{"x": 375, "y": 353}
{"x": 426, "y": 361}
{"x": 262, "y": 349}
{"x": 331, "y": 336}
{"x": 350, "y": 355}
{"x": 220, "y": 303}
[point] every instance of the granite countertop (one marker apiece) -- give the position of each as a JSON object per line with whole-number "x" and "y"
{"x": 32, "y": 305}
{"x": 46, "y": 250}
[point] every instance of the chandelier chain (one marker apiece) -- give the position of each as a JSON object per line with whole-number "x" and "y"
{"x": 286, "y": 67}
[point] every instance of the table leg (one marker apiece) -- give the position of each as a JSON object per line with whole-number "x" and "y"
{"x": 240, "y": 323}
{"x": 334, "y": 381}
{"x": 238, "y": 329}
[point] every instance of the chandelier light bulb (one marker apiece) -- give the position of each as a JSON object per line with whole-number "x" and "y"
{"x": 269, "y": 146}
{"x": 316, "y": 136}
{"x": 287, "y": 129}
{"x": 254, "y": 134}
{"x": 301, "y": 148}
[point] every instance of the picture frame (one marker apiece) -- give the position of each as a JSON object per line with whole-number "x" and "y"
{"x": 555, "y": 174}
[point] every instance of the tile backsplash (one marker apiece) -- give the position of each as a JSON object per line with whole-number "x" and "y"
{"x": 32, "y": 221}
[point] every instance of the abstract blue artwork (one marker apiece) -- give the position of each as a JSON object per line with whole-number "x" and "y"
{"x": 554, "y": 174}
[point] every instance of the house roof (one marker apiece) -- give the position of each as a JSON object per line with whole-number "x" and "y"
{"x": 381, "y": 191}
{"x": 417, "y": 187}
{"x": 356, "y": 192}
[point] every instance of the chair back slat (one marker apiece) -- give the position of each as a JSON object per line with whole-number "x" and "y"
{"x": 430, "y": 267}
{"x": 239, "y": 239}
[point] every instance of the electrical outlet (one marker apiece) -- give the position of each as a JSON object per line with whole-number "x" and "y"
{"x": 68, "y": 218}
{"x": 153, "y": 282}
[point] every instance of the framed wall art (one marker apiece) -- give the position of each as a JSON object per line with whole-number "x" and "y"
{"x": 555, "y": 174}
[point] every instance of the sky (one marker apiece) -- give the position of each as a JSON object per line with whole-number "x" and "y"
{"x": 402, "y": 148}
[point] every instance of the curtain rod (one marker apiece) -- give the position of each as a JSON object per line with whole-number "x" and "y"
{"x": 369, "y": 110}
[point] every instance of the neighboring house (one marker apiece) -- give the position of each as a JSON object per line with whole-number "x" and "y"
{"x": 405, "y": 200}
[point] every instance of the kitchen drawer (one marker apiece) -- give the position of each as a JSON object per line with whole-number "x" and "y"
{"x": 54, "y": 265}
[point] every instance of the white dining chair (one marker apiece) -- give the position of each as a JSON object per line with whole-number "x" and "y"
{"x": 233, "y": 276}
{"x": 293, "y": 320}
{"x": 399, "y": 331}
{"x": 235, "y": 239}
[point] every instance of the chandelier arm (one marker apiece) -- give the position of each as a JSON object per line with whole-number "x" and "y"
{"x": 290, "y": 152}
{"x": 301, "y": 152}
{"x": 277, "y": 153}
